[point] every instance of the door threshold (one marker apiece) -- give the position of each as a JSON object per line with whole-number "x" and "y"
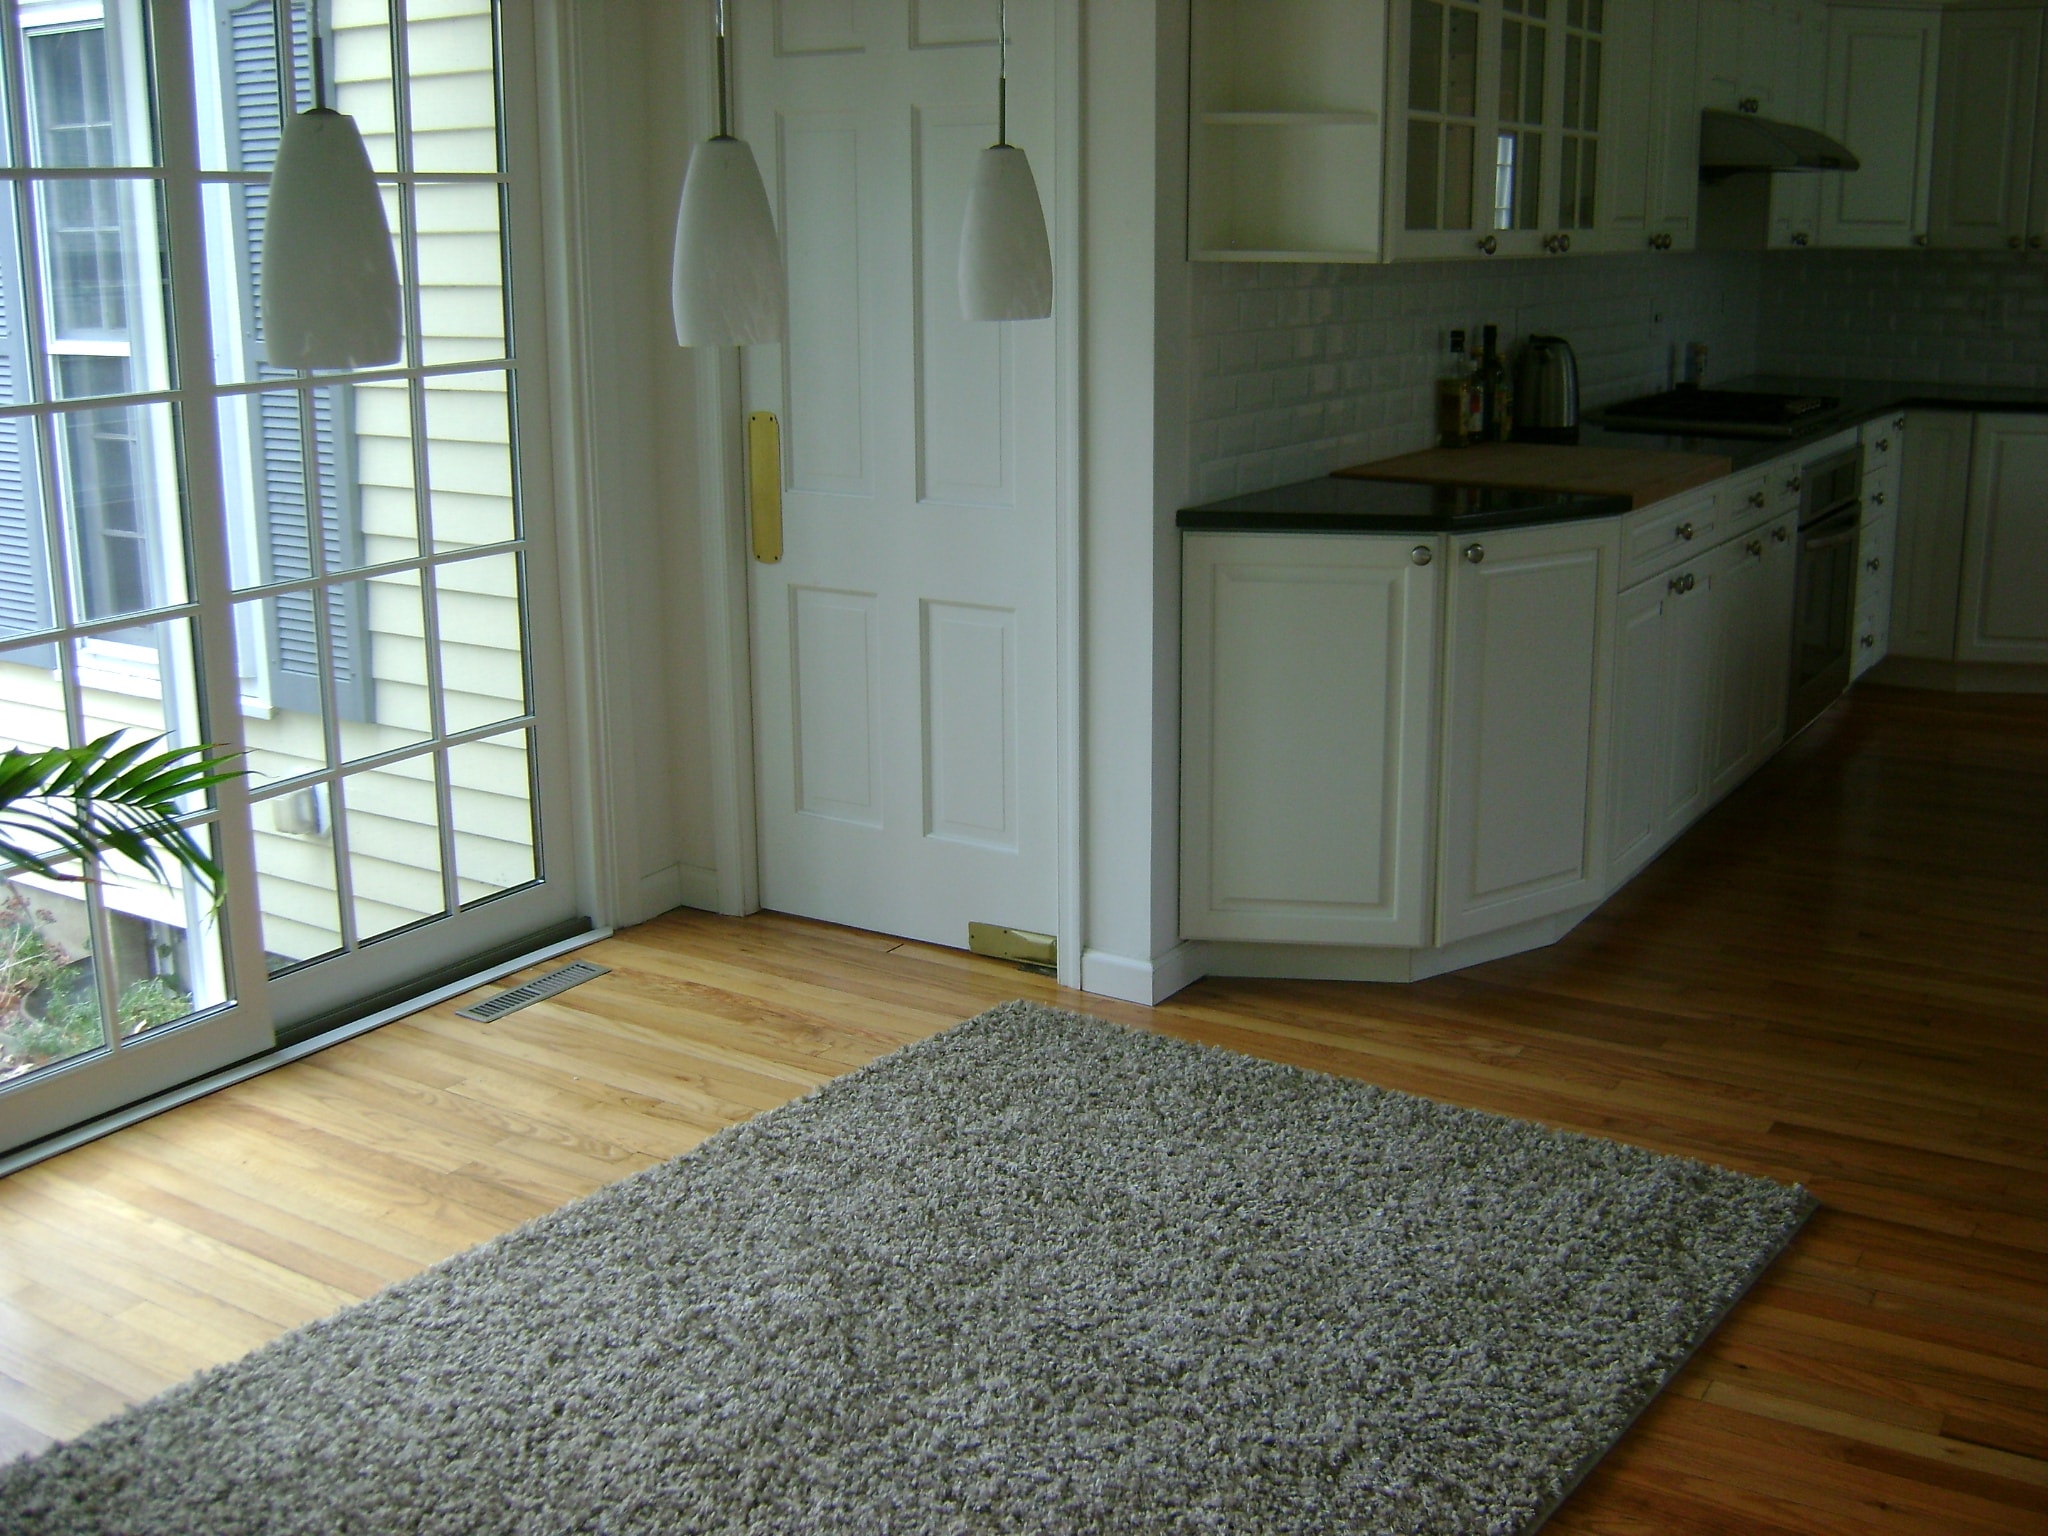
{"x": 284, "y": 1055}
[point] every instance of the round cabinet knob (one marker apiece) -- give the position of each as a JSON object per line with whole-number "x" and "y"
{"x": 1564, "y": 242}
{"x": 1421, "y": 554}
{"x": 1884, "y": 445}
{"x": 1676, "y": 586}
{"x": 1872, "y": 562}
{"x": 1686, "y": 531}
{"x": 1795, "y": 483}
{"x": 1489, "y": 245}
{"x": 1474, "y": 553}
{"x": 1799, "y": 237}
{"x": 1750, "y": 104}
{"x": 1877, "y": 498}
{"x": 1920, "y": 240}
{"x": 1691, "y": 581}
{"x": 1898, "y": 423}
{"x": 1781, "y": 535}
{"x": 1755, "y": 547}
{"x": 1868, "y": 642}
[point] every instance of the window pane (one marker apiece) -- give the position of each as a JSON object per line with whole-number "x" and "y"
{"x": 49, "y": 1001}
{"x": 394, "y": 846}
{"x": 31, "y": 699}
{"x": 461, "y": 273}
{"x": 88, "y": 87}
{"x": 118, "y": 495}
{"x": 166, "y": 945}
{"x": 104, "y": 322}
{"x": 453, "y": 91}
{"x": 25, "y": 585}
{"x": 360, "y": 438}
{"x": 277, "y": 660}
{"x": 469, "y": 460}
{"x": 144, "y": 682}
{"x": 244, "y": 81}
{"x": 491, "y": 791}
{"x": 295, "y": 884}
{"x": 391, "y": 644}
{"x": 483, "y": 662}
{"x": 1425, "y": 56}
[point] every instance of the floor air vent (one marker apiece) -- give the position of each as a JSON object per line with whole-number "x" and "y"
{"x": 537, "y": 990}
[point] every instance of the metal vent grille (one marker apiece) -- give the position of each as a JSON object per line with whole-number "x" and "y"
{"x": 574, "y": 974}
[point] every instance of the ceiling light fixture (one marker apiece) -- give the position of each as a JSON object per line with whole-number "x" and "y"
{"x": 1005, "y": 259}
{"x": 329, "y": 283}
{"x": 727, "y": 288}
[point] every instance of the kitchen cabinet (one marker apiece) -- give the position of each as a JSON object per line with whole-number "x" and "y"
{"x": 1880, "y": 102}
{"x": 2004, "y": 598}
{"x": 1309, "y": 689}
{"x": 1735, "y": 59}
{"x": 1933, "y": 510}
{"x": 1650, "y": 154}
{"x": 1876, "y": 540}
{"x": 1984, "y": 178}
{"x": 1528, "y": 641}
{"x": 1799, "y": 94}
{"x": 1750, "y": 594}
{"x": 1285, "y": 136}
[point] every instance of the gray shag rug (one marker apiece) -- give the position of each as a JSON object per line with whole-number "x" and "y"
{"x": 1037, "y": 1274}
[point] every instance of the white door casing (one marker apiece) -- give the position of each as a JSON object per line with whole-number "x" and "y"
{"x": 903, "y": 649}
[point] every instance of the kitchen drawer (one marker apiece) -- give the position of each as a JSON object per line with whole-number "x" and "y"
{"x": 1668, "y": 533}
{"x": 1876, "y": 547}
{"x": 1745, "y": 501}
{"x": 1881, "y": 489}
{"x": 1881, "y": 441}
{"x": 1783, "y": 480}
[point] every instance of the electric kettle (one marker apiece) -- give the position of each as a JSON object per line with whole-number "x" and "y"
{"x": 1547, "y": 391}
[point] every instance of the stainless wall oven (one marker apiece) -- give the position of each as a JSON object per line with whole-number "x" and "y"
{"x": 1824, "y": 613}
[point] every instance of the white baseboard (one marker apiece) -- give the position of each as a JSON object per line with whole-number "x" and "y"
{"x": 1141, "y": 981}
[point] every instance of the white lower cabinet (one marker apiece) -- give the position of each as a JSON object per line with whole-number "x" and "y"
{"x": 1749, "y": 616}
{"x": 2004, "y": 605}
{"x": 1308, "y": 718}
{"x": 1875, "y": 545}
{"x": 1527, "y": 662}
{"x": 1934, "y": 504}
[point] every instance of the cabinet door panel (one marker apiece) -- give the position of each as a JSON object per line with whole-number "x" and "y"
{"x": 1526, "y": 677}
{"x": 1639, "y": 739}
{"x": 1983, "y": 143}
{"x": 1879, "y": 537}
{"x": 1738, "y": 602}
{"x": 1308, "y": 712}
{"x": 2005, "y": 554}
{"x": 1675, "y": 130}
{"x": 1628, "y": 127}
{"x": 1881, "y": 86}
{"x": 1689, "y": 694}
{"x": 1934, "y": 509}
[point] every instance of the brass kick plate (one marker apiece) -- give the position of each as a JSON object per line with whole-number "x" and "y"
{"x": 1012, "y": 944}
{"x": 764, "y": 484}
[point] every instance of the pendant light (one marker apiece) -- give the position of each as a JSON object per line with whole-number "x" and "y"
{"x": 727, "y": 288}
{"x": 329, "y": 284}
{"x": 1005, "y": 259}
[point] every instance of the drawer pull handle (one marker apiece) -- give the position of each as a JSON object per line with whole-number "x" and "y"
{"x": 1755, "y": 548}
{"x": 1868, "y": 642}
{"x": 1756, "y": 498}
{"x": 1781, "y": 535}
{"x": 1421, "y": 554}
{"x": 1489, "y": 245}
{"x": 1871, "y": 564}
{"x": 1680, "y": 585}
{"x": 1685, "y": 531}
{"x": 1474, "y": 553}
{"x": 1884, "y": 445}
{"x": 1877, "y": 498}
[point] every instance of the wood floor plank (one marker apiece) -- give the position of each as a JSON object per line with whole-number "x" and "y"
{"x": 1835, "y": 978}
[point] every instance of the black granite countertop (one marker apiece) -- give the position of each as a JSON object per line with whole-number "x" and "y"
{"x": 1333, "y": 505}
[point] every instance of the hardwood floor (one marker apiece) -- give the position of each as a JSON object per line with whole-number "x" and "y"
{"x": 1837, "y": 978}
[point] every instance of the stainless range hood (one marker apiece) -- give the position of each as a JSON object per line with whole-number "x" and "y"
{"x": 1733, "y": 142}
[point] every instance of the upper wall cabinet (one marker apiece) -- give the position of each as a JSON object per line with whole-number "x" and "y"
{"x": 1370, "y": 130}
{"x": 1881, "y": 95}
{"x": 1285, "y": 133}
{"x": 1989, "y": 191}
{"x": 1799, "y": 94}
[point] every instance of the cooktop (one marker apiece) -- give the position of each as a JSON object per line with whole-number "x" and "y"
{"x": 1718, "y": 412}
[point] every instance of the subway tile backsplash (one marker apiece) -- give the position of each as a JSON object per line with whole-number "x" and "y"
{"x": 1300, "y": 369}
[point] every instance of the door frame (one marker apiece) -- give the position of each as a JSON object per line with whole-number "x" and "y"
{"x": 722, "y": 525}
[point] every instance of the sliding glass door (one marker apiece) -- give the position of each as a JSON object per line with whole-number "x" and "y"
{"x": 344, "y": 575}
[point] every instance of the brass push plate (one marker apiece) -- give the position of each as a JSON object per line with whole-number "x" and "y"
{"x": 1012, "y": 944}
{"x": 764, "y": 484}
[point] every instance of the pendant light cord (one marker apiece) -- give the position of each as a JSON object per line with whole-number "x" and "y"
{"x": 319, "y": 53}
{"x": 1002, "y": 72}
{"x": 724, "y": 74}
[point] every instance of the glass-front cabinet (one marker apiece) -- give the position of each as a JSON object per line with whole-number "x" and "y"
{"x": 1495, "y": 126}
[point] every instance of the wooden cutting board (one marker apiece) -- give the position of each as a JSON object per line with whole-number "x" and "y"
{"x": 1640, "y": 474}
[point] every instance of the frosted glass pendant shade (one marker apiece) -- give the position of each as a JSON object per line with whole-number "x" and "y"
{"x": 1005, "y": 259}
{"x": 727, "y": 288}
{"x": 330, "y": 285}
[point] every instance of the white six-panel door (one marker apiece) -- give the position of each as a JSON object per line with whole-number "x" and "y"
{"x": 903, "y": 647}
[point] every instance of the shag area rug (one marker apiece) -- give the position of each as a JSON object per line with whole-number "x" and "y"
{"x": 1037, "y": 1274}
